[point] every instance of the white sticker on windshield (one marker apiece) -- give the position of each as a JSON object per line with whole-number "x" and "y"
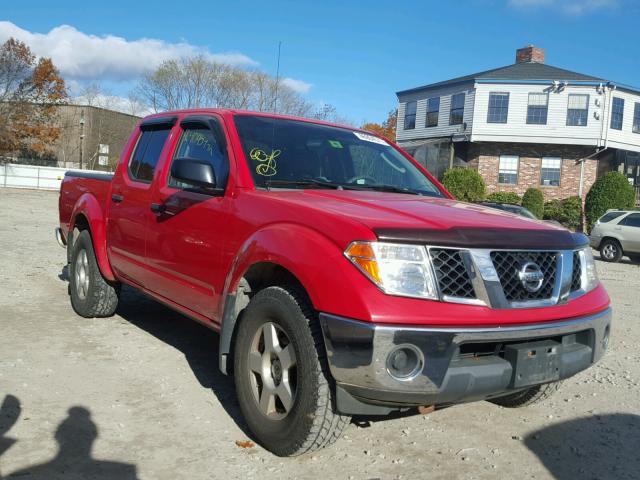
{"x": 369, "y": 138}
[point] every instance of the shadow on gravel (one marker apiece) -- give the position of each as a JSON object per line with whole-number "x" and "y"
{"x": 600, "y": 446}
{"x": 75, "y": 437}
{"x": 198, "y": 344}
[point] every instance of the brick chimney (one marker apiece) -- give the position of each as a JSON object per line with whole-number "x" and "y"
{"x": 530, "y": 54}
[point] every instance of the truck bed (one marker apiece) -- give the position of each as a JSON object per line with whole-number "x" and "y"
{"x": 74, "y": 185}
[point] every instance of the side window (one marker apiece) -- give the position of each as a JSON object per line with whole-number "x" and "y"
{"x": 146, "y": 155}
{"x": 200, "y": 143}
{"x": 607, "y": 217}
{"x": 632, "y": 220}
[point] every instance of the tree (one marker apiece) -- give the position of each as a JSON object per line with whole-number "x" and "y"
{"x": 30, "y": 90}
{"x": 388, "y": 127}
{"x": 611, "y": 190}
{"x": 198, "y": 82}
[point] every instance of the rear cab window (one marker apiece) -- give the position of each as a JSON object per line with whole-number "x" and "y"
{"x": 153, "y": 135}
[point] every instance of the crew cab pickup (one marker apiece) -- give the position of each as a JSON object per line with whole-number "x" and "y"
{"x": 343, "y": 279}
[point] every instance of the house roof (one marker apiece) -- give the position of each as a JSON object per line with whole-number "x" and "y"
{"x": 517, "y": 71}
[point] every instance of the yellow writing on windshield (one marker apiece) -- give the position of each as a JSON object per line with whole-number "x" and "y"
{"x": 267, "y": 162}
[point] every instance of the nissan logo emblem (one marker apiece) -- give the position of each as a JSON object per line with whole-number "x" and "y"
{"x": 531, "y": 277}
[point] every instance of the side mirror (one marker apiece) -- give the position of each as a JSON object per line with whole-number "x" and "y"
{"x": 195, "y": 172}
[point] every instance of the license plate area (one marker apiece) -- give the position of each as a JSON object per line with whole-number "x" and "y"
{"x": 534, "y": 362}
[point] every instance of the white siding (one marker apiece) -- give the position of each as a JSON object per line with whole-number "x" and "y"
{"x": 443, "y": 129}
{"x": 625, "y": 138}
{"x": 517, "y": 130}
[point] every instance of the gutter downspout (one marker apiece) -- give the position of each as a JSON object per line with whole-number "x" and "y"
{"x": 582, "y": 160}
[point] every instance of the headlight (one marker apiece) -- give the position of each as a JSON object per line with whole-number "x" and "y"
{"x": 589, "y": 273}
{"x": 397, "y": 269}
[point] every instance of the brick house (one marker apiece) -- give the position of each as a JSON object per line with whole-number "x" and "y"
{"x": 525, "y": 125}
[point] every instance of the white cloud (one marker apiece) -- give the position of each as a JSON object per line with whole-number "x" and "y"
{"x": 297, "y": 85}
{"x": 84, "y": 57}
{"x": 572, "y": 7}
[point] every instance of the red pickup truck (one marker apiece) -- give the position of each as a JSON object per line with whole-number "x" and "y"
{"x": 342, "y": 277}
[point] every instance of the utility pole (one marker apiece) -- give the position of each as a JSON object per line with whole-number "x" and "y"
{"x": 81, "y": 137}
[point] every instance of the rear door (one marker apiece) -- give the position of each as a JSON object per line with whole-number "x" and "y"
{"x": 630, "y": 233}
{"x": 186, "y": 237}
{"x": 129, "y": 213}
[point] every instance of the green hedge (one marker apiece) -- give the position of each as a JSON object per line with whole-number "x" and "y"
{"x": 533, "y": 200}
{"x": 611, "y": 190}
{"x": 568, "y": 212}
{"x": 511, "y": 198}
{"x": 464, "y": 184}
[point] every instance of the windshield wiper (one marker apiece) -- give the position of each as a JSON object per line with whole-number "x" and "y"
{"x": 390, "y": 188}
{"x": 310, "y": 182}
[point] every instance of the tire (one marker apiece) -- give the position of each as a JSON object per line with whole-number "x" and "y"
{"x": 298, "y": 416}
{"x": 91, "y": 295}
{"x": 610, "y": 250}
{"x": 527, "y": 397}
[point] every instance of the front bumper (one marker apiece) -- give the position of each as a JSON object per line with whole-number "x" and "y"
{"x": 459, "y": 364}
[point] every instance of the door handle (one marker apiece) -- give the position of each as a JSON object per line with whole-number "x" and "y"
{"x": 117, "y": 198}
{"x": 158, "y": 207}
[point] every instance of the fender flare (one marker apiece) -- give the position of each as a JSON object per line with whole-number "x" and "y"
{"x": 305, "y": 253}
{"x": 88, "y": 206}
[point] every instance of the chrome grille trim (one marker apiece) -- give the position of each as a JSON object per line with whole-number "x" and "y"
{"x": 488, "y": 288}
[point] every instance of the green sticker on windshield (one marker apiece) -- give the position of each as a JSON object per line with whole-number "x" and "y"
{"x": 335, "y": 144}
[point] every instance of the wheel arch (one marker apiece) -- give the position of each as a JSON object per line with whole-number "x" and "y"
{"x": 89, "y": 215}
{"x": 258, "y": 276}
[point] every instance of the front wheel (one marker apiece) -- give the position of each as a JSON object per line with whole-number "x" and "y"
{"x": 91, "y": 295}
{"x": 281, "y": 375}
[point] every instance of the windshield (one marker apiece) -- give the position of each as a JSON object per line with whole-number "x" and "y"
{"x": 296, "y": 154}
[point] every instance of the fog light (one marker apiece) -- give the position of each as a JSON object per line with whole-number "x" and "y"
{"x": 404, "y": 362}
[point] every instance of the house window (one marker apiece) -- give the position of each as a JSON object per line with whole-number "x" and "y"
{"x": 617, "y": 113}
{"x": 456, "y": 115}
{"x": 433, "y": 110}
{"x": 537, "y": 108}
{"x": 498, "y": 107}
{"x": 577, "y": 110}
{"x": 550, "y": 172}
{"x": 508, "y": 169}
{"x": 636, "y": 118}
{"x": 410, "y": 115}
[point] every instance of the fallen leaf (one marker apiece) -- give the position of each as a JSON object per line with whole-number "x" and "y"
{"x": 245, "y": 443}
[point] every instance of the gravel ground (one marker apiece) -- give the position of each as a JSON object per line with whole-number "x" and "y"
{"x": 139, "y": 395}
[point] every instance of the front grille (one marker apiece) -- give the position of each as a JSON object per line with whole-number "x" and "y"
{"x": 576, "y": 276}
{"x": 452, "y": 275}
{"x": 508, "y": 264}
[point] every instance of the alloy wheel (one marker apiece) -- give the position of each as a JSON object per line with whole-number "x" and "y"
{"x": 272, "y": 371}
{"x": 82, "y": 274}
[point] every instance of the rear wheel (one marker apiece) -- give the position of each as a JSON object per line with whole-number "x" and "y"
{"x": 527, "y": 397}
{"x": 281, "y": 375}
{"x": 610, "y": 250}
{"x": 91, "y": 295}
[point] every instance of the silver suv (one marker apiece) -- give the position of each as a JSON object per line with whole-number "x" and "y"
{"x": 617, "y": 233}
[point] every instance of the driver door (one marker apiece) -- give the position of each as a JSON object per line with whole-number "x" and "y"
{"x": 186, "y": 237}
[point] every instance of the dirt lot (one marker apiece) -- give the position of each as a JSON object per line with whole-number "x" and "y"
{"x": 140, "y": 395}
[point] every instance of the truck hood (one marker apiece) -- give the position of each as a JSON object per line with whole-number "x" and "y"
{"x": 441, "y": 221}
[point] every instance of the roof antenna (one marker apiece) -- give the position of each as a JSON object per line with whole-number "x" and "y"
{"x": 275, "y": 99}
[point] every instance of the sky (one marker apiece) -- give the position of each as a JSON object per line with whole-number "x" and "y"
{"x": 351, "y": 54}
